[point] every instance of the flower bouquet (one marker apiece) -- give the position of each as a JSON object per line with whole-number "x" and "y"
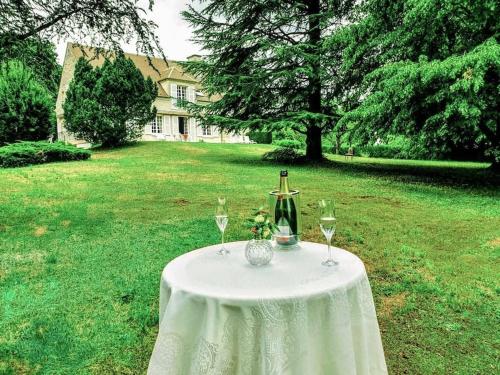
{"x": 259, "y": 250}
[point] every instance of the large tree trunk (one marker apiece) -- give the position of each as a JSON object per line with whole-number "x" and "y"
{"x": 313, "y": 141}
{"x": 495, "y": 166}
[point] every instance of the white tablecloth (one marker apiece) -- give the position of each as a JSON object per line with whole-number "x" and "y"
{"x": 220, "y": 315}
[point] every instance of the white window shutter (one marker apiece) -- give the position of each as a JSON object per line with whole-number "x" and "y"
{"x": 147, "y": 128}
{"x": 175, "y": 125}
{"x": 193, "y": 127}
{"x": 173, "y": 94}
{"x": 191, "y": 94}
{"x": 166, "y": 124}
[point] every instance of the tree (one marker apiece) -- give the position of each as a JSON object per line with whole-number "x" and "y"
{"x": 101, "y": 23}
{"x": 26, "y": 106}
{"x": 39, "y": 54}
{"x": 109, "y": 105}
{"x": 268, "y": 60}
{"x": 428, "y": 69}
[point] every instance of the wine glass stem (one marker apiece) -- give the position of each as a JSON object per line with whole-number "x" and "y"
{"x": 222, "y": 241}
{"x": 329, "y": 249}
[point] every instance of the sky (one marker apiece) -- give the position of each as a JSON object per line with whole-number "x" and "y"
{"x": 173, "y": 32}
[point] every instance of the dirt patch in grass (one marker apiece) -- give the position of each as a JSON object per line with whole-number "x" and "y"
{"x": 107, "y": 155}
{"x": 390, "y": 303}
{"x": 493, "y": 243}
{"x": 188, "y": 162}
{"x": 40, "y": 231}
{"x": 162, "y": 176}
{"x": 427, "y": 275}
{"x": 41, "y": 202}
{"x": 18, "y": 367}
{"x": 73, "y": 169}
{"x": 66, "y": 223}
{"x": 181, "y": 202}
{"x": 18, "y": 259}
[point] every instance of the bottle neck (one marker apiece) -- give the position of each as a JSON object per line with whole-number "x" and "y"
{"x": 284, "y": 189}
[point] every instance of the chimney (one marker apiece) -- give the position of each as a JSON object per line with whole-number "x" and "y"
{"x": 194, "y": 58}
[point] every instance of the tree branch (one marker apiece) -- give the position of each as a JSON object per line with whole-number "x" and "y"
{"x": 48, "y": 24}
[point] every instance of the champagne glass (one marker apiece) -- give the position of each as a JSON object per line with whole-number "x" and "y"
{"x": 221, "y": 219}
{"x": 328, "y": 223}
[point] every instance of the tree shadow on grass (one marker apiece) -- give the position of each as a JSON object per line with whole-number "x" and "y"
{"x": 446, "y": 175}
{"x": 456, "y": 175}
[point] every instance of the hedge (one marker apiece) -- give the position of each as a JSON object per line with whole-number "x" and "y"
{"x": 26, "y": 153}
{"x": 284, "y": 155}
{"x": 289, "y": 143}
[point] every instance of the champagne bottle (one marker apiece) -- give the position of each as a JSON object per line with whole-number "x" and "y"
{"x": 285, "y": 214}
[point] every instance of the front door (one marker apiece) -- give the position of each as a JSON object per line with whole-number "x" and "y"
{"x": 183, "y": 127}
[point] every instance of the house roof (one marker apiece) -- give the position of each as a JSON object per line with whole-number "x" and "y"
{"x": 156, "y": 68}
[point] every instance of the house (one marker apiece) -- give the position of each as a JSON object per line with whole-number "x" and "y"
{"x": 172, "y": 123}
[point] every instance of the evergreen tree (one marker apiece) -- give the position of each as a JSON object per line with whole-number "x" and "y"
{"x": 26, "y": 106}
{"x": 38, "y": 54}
{"x": 427, "y": 69}
{"x": 269, "y": 61}
{"x": 109, "y": 105}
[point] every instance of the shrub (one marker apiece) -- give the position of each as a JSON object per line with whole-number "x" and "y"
{"x": 393, "y": 152}
{"x": 327, "y": 147}
{"x": 379, "y": 151}
{"x": 109, "y": 105}
{"x": 25, "y": 153}
{"x": 26, "y": 106}
{"x": 284, "y": 155}
{"x": 260, "y": 137}
{"x": 289, "y": 143}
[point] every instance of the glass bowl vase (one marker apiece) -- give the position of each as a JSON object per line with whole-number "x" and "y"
{"x": 259, "y": 252}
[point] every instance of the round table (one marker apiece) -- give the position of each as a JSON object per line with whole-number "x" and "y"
{"x": 220, "y": 315}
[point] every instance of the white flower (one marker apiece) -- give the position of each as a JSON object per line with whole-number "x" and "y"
{"x": 266, "y": 233}
{"x": 259, "y": 219}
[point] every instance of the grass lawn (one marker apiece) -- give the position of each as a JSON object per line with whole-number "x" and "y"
{"x": 82, "y": 246}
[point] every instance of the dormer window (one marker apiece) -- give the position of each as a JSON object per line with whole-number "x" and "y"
{"x": 181, "y": 93}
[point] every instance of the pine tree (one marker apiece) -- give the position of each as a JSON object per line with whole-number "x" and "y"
{"x": 26, "y": 106}
{"x": 269, "y": 63}
{"x": 109, "y": 105}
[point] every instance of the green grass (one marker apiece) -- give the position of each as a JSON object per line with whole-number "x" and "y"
{"x": 82, "y": 246}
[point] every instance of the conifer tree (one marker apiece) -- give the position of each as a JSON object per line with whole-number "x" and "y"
{"x": 429, "y": 70}
{"x": 109, "y": 105}
{"x": 268, "y": 61}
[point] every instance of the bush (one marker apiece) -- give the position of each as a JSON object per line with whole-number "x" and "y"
{"x": 284, "y": 155}
{"x": 379, "y": 151}
{"x": 392, "y": 152}
{"x": 260, "y": 137}
{"x": 289, "y": 143}
{"x": 25, "y": 153}
{"x": 26, "y": 106}
{"x": 327, "y": 147}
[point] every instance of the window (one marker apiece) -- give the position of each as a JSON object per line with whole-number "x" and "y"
{"x": 157, "y": 125}
{"x": 207, "y": 130}
{"x": 181, "y": 93}
{"x": 183, "y": 128}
